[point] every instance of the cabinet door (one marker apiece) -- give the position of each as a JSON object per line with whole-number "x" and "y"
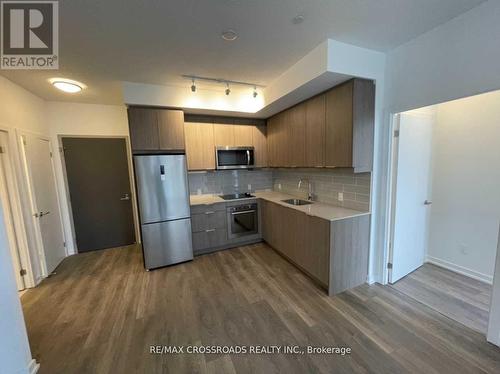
{"x": 259, "y": 142}
{"x": 315, "y": 131}
{"x": 272, "y": 127}
{"x": 242, "y": 135}
{"x": 338, "y": 131}
{"x": 200, "y": 149}
{"x": 317, "y": 248}
{"x": 170, "y": 129}
{"x": 296, "y": 136}
{"x": 282, "y": 138}
{"x": 223, "y": 135}
{"x": 143, "y": 127}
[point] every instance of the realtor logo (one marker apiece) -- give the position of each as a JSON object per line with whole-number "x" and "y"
{"x": 30, "y": 37}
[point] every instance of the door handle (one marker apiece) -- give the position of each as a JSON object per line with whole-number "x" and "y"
{"x": 43, "y": 214}
{"x": 125, "y": 197}
{"x": 427, "y": 202}
{"x": 248, "y": 157}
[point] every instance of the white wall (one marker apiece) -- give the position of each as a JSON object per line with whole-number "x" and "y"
{"x": 81, "y": 120}
{"x": 21, "y": 110}
{"x": 466, "y": 180}
{"x": 457, "y": 59}
{"x": 15, "y": 354}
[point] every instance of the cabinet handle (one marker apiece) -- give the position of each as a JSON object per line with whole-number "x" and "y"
{"x": 209, "y": 212}
{"x": 211, "y": 230}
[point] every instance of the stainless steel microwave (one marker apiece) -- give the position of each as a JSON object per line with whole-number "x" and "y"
{"x": 228, "y": 158}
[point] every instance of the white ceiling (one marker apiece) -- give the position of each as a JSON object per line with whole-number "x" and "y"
{"x": 104, "y": 42}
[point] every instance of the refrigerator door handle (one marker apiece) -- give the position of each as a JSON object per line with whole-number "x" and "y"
{"x": 162, "y": 172}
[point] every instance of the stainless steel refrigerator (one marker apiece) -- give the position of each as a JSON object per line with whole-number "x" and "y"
{"x": 163, "y": 197}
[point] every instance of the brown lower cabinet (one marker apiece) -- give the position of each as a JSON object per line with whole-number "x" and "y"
{"x": 303, "y": 239}
{"x": 334, "y": 253}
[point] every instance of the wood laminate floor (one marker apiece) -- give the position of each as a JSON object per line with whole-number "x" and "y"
{"x": 101, "y": 312}
{"x": 461, "y": 298}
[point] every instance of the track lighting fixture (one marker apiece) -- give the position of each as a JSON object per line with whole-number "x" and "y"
{"x": 227, "y": 91}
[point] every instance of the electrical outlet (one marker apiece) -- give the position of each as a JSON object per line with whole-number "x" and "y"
{"x": 198, "y": 191}
{"x": 341, "y": 196}
{"x": 279, "y": 186}
{"x": 249, "y": 187}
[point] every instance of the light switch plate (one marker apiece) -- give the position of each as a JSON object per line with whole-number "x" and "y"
{"x": 198, "y": 191}
{"x": 341, "y": 196}
{"x": 249, "y": 187}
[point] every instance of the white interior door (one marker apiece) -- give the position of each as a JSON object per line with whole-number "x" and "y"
{"x": 412, "y": 199}
{"x": 38, "y": 157}
{"x": 7, "y": 209}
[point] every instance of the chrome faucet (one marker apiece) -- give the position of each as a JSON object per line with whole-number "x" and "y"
{"x": 310, "y": 193}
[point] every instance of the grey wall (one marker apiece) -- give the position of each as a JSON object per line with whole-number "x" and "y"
{"x": 230, "y": 181}
{"x": 326, "y": 184}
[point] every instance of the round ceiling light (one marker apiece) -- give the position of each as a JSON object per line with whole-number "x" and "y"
{"x": 298, "y": 19}
{"x": 229, "y": 35}
{"x": 67, "y": 85}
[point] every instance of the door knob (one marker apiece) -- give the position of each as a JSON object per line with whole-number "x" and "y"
{"x": 427, "y": 202}
{"x": 125, "y": 197}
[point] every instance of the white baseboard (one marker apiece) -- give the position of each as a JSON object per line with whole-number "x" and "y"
{"x": 33, "y": 367}
{"x": 371, "y": 279}
{"x": 460, "y": 269}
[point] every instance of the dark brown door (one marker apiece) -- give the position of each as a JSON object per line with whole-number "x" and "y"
{"x": 99, "y": 186}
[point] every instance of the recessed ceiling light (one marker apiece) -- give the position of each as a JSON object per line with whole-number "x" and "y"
{"x": 298, "y": 19}
{"x": 229, "y": 35}
{"x": 67, "y": 85}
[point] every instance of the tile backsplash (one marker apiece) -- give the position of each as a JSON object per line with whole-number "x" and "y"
{"x": 230, "y": 181}
{"x": 326, "y": 184}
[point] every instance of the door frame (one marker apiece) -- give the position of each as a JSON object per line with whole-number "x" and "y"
{"x": 128, "y": 146}
{"x": 16, "y": 211}
{"x": 21, "y": 134}
{"x": 392, "y": 191}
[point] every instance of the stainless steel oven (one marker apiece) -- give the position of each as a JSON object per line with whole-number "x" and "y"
{"x": 242, "y": 220}
{"x": 234, "y": 158}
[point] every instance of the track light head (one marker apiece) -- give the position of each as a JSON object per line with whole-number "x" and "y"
{"x": 193, "y": 86}
{"x": 255, "y": 92}
{"x": 228, "y": 91}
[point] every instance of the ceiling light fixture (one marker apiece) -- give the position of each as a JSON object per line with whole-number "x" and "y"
{"x": 298, "y": 19}
{"x": 226, "y": 82}
{"x": 67, "y": 85}
{"x": 229, "y": 35}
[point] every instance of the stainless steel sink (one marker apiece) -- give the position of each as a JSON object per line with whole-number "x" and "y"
{"x": 297, "y": 202}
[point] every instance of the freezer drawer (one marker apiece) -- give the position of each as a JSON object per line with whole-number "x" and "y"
{"x": 167, "y": 243}
{"x": 162, "y": 187}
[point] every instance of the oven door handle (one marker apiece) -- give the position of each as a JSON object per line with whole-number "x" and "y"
{"x": 243, "y": 212}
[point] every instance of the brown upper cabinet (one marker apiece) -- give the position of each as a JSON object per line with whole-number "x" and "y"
{"x": 260, "y": 145}
{"x": 315, "y": 131}
{"x": 350, "y": 115}
{"x": 233, "y": 135}
{"x": 200, "y": 147}
{"x": 223, "y": 135}
{"x": 334, "y": 129}
{"x": 295, "y": 126}
{"x": 203, "y": 137}
{"x": 156, "y": 129}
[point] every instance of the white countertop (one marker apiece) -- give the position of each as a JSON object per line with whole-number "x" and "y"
{"x": 316, "y": 209}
